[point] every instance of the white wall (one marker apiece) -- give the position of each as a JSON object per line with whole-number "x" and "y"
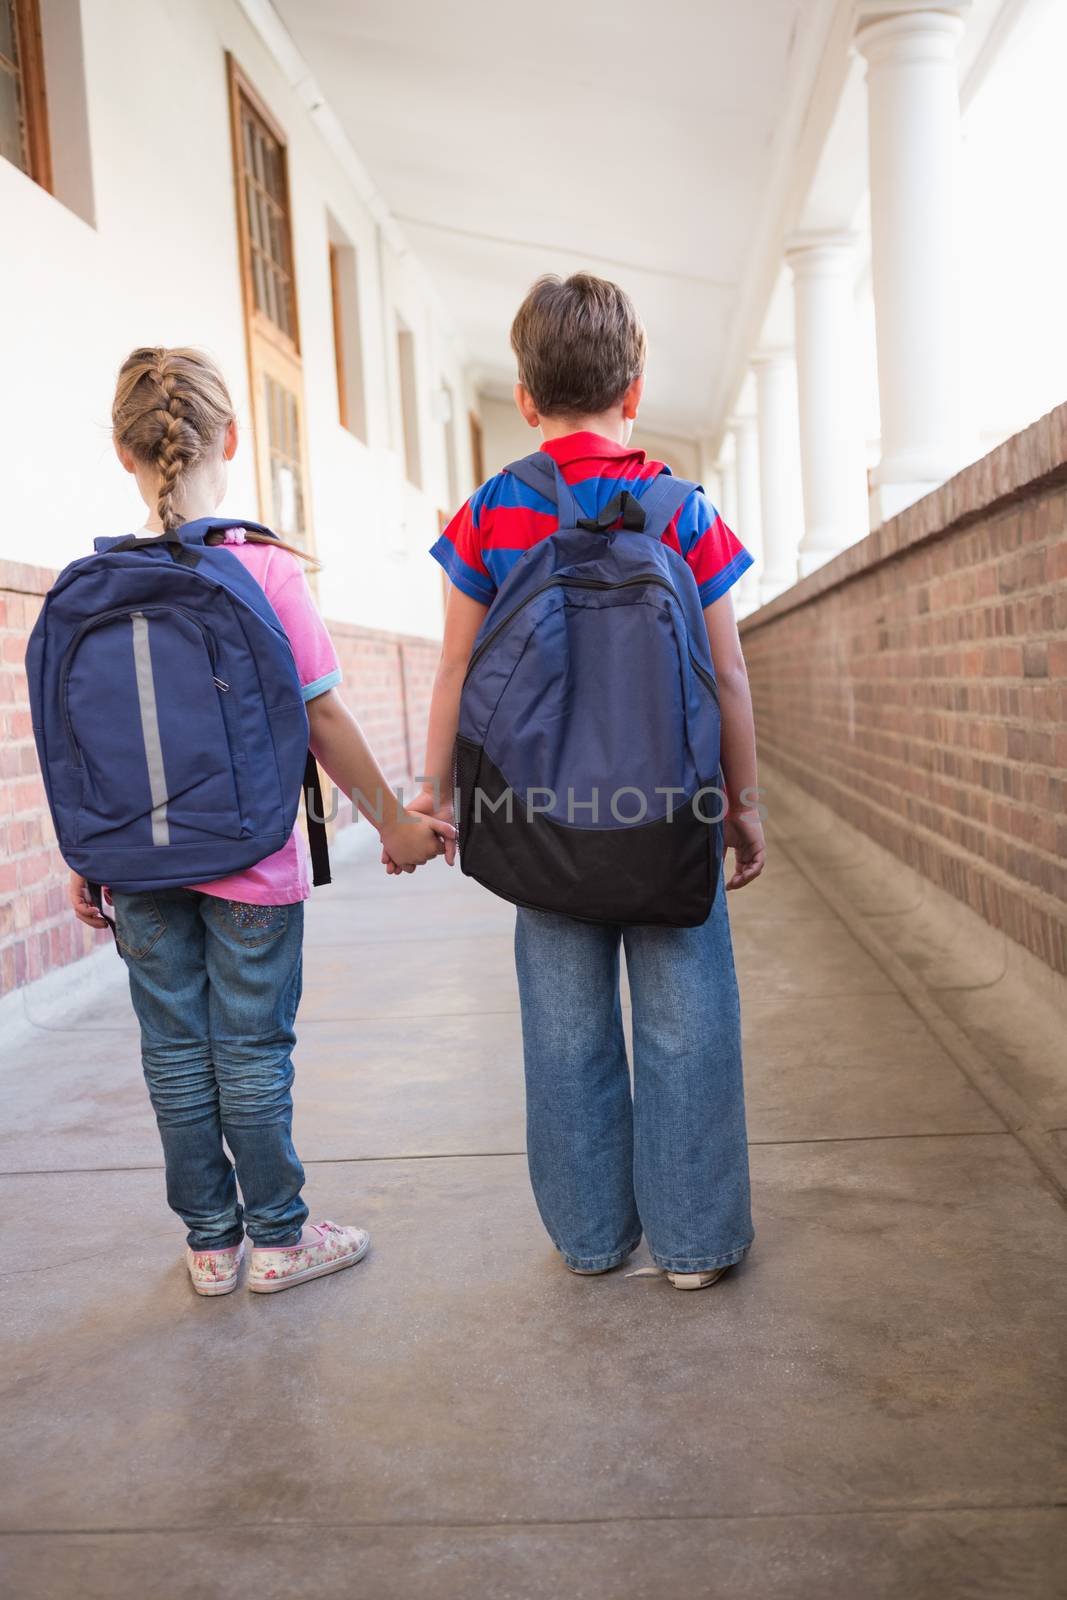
{"x": 505, "y": 436}
{"x": 161, "y": 267}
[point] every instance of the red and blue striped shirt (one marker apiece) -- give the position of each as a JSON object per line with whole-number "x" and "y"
{"x": 505, "y": 517}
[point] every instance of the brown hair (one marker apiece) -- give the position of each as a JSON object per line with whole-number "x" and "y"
{"x": 579, "y": 344}
{"x": 170, "y": 408}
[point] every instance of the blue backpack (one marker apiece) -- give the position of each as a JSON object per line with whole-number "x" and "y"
{"x": 167, "y": 711}
{"x": 588, "y": 747}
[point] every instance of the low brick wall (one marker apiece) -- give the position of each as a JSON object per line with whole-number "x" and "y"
{"x": 387, "y": 681}
{"x": 918, "y": 686}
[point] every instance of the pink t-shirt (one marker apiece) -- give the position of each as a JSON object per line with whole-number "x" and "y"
{"x": 283, "y": 878}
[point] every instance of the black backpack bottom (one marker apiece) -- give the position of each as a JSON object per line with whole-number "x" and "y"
{"x": 655, "y": 873}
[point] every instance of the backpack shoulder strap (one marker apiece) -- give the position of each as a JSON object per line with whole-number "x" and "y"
{"x": 662, "y": 501}
{"x": 540, "y": 473}
{"x": 181, "y": 541}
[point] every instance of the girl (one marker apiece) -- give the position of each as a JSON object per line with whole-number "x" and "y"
{"x": 215, "y": 968}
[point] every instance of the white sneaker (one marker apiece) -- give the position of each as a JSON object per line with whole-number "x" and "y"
{"x": 323, "y": 1248}
{"x": 681, "y": 1280}
{"x": 215, "y": 1271}
{"x": 696, "y": 1280}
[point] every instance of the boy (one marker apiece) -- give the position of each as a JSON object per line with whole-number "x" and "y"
{"x": 671, "y": 1161}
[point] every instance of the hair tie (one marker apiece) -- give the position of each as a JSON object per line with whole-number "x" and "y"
{"x": 234, "y": 536}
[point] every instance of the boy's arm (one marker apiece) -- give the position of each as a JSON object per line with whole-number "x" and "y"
{"x": 337, "y": 742}
{"x": 743, "y": 828}
{"x": 463, "y": 618}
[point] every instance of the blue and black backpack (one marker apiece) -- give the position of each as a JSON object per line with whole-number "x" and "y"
{"x": 587, "y": 761}
{"x": 167, "y": 711}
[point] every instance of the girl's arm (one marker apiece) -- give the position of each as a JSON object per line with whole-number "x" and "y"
{"x": 337, "y": 742}
{"x": 743, "y": 827}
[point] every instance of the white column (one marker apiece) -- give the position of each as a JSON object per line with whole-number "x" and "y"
{"x": 726, "y": 467}
{"x": 710, "y": 471}
{"x": 743, "y": 514}
{"x": 832, "y": 452}
{"x": 781, "y": 506}
{"x": 914, "y": 133}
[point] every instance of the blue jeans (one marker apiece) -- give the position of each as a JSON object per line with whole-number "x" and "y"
{"x": 669, "y": 1160}
{"x": 215, "y": 985}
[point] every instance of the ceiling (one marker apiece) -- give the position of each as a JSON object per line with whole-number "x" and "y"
{"x": 636, "y": 140}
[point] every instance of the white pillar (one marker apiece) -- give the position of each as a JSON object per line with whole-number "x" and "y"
{"x": 914, "y": 133}
{"x": 832, "y": 451}
{"x": 710, "y": 472}
{"x": 726, "y": 467}
{"x": 743, "y": 515}
{"x": 782, "y": 515}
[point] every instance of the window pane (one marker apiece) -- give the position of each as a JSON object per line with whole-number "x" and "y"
{"x": 271, "y": 282}
{"x": 252, "y": 203}
{"x": 257, "y": 154}
{"x": 282, "y": 409}
{"x": 247, "y": 160}
{"x": 7, "y": 29}
{"x": 258, "y": 285}
{"x": 11, "y": 147}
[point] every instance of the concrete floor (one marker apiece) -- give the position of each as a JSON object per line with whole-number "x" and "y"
{"x": 872, "y": 1405}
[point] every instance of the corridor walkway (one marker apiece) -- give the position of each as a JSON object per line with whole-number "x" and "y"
{"x": 868, "y": 1406}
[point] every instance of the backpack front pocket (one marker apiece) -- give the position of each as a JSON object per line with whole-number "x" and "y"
{"x": 153, "y": 751}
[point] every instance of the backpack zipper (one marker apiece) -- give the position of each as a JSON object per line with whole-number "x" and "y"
{"x": 592, "y": 583}
{"x": 111, "y": 616}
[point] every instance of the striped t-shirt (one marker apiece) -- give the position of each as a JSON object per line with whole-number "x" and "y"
{"x": 505, "y": 517}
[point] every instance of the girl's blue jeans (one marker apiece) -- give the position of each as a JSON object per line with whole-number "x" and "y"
{"x": 670, "y": 1158}
{"x": 215, "y": 985}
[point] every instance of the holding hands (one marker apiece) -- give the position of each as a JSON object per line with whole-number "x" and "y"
{"x": 421, "y": 831}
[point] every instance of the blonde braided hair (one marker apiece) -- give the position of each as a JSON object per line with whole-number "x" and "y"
{"x": 170, "y": 410}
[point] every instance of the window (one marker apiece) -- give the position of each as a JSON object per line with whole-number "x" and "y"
{"x": 409, "y": 402}
{"x": 268, "y": 284}
{"x": 477, "y": 449}
{"x": 347, "y": 332}
{"x": 448, "y": 407}
{"x": 23, "y": 107}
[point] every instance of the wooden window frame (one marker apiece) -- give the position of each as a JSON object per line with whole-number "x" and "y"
{"x": 271, "y": 351}
{"x": 240, "y": 88}
{"x": 348, "y": 348}
{"x": 338, "y": 336}
{"x": 477, "y": 447}
{"x": 32, "y": 97}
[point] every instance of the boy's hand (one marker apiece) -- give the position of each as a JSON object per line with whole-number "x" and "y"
{"x": 744, "y": 836}
{"x": 82, "y": 904}
{"x": 445, "y": 813}
{"x": 412, "y": 840}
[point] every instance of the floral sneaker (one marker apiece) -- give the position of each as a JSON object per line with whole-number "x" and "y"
{"x": 323, "y": 1248}
{"x": 215, "y": 1271}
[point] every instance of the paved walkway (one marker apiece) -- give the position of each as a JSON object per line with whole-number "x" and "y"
{"x": 867, "y": 1407}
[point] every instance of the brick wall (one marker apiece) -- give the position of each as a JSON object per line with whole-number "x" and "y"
{"x": 918, "y": 685}
{"x": 387, "y": 684}
{"x": 37, "y": 932}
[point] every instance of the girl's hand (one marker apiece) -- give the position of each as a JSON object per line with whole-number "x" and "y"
{"x": 744, "y": 836}
{"x": 412, "y": 840}
{"x": 424, "y": 806}
{"x": 82, "y": 904}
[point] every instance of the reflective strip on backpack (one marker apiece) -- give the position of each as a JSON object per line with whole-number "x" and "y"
{"x": 153, "y": 745}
